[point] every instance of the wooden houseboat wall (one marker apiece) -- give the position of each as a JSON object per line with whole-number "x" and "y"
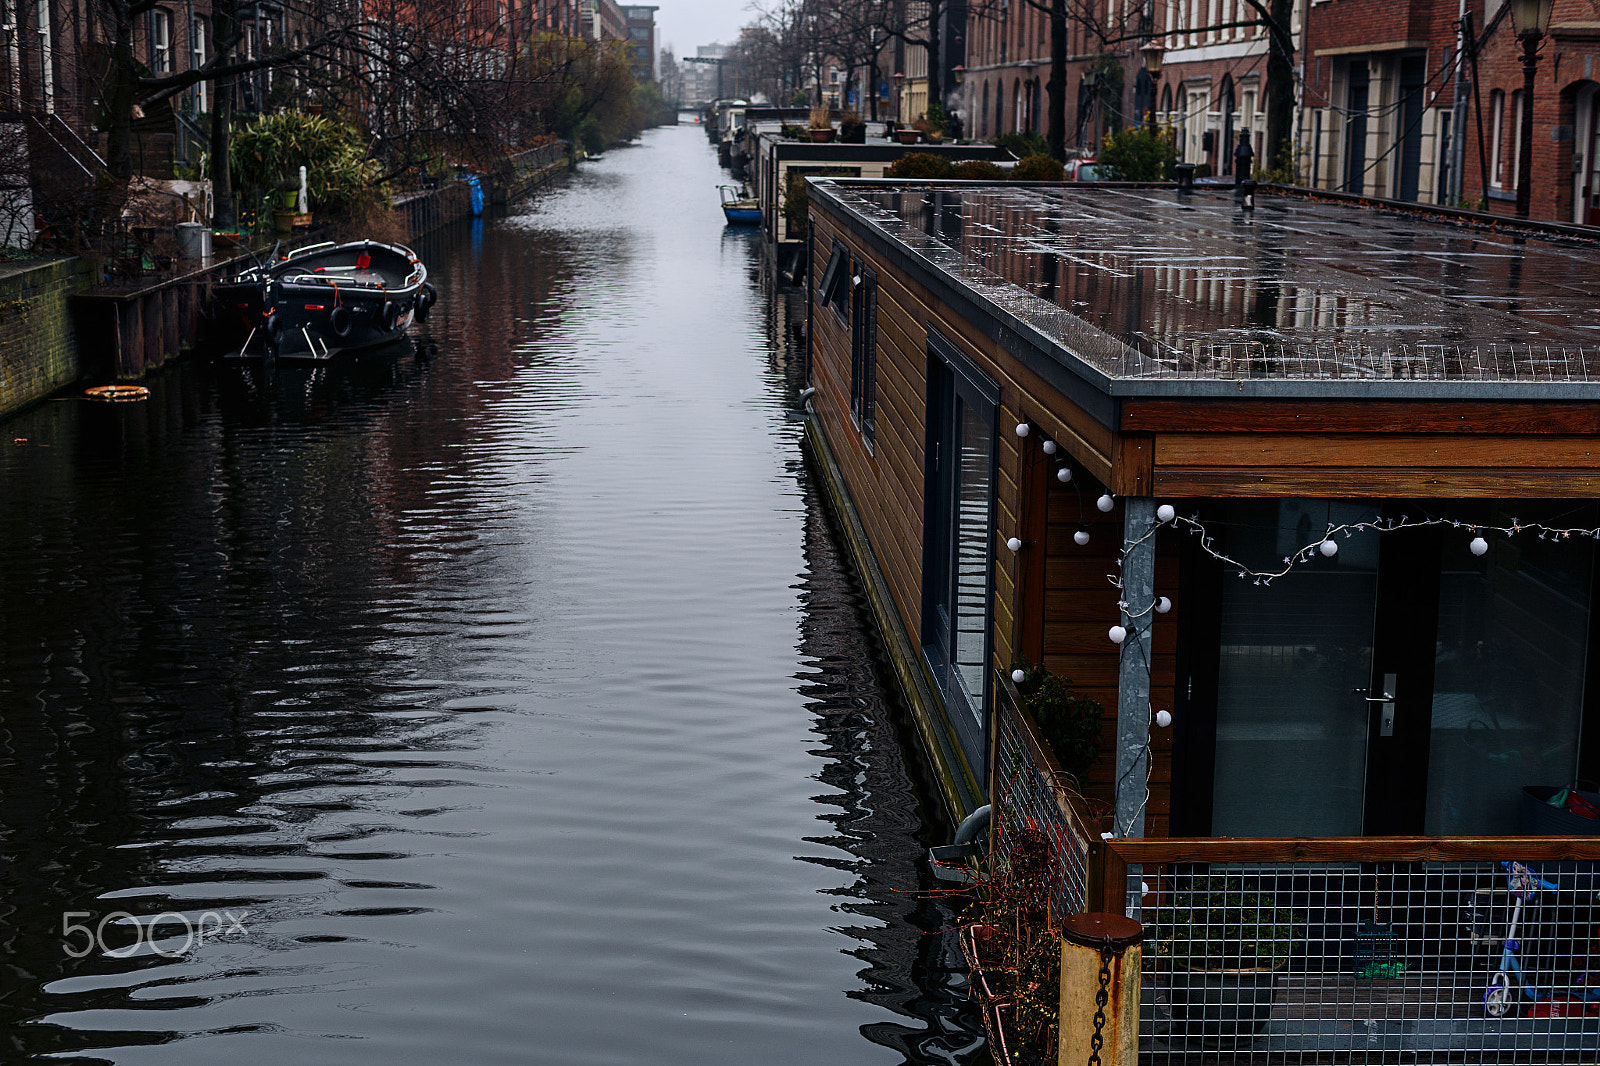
{"x": 907, "y": 333}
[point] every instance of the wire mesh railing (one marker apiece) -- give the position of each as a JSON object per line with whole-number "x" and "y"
{"x": 1034, "y": 794}
{"x": 1482, "y": 957}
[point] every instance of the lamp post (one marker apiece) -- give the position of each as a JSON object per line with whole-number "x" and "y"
{"x": 899, "y": 96}
{"x": 1153, "y": 52}
{"x": 1531, "y": 17}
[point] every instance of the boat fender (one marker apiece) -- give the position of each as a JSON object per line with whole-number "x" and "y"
{"x": 340, "y": 322}
{"x": 275, "y": 328}
{"x": 391, "y": 316}
{"x": 425, "y": 299}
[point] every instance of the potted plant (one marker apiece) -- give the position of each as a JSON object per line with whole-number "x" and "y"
{"x": 852, "y": 130}
{"x": 1223, "y": 946}
{"x": 821, "y": 125}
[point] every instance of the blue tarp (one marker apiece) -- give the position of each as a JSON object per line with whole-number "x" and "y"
{"x": 477, "y": 193}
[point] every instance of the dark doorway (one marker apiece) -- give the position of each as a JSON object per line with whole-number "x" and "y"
{"x": 1355, "y": 135}
{"x": 1413, "y": 74}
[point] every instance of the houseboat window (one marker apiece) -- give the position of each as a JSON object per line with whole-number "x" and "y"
{"x": 958, "y": 540}
{"x": 832, "y": 276}
{"x": 972, "y": 541}
{"x": 1508, "y": 677}
{"x": 864, "y": 349}
{"x": 1291, "y": 734}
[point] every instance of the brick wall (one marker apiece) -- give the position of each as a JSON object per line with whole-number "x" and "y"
{"x": 38, "y": 345}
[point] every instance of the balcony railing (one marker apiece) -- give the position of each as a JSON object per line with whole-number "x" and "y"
{"x": 1383, "y": 949}
{"x": 1350, "y": 949}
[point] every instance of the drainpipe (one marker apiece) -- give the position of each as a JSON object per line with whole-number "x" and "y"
{"x": 1458, "y": 119}
{"x": 946, "y": 859}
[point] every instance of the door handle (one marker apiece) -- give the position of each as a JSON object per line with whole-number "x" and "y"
{"x": 1386, "y": 710}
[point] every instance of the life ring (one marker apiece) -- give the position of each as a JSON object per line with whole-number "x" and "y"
{"x": 390, "y": 316}
{"x": 426, "y": 296}
{"x": 340, "y": 322}
{"x": 118, "y": 393}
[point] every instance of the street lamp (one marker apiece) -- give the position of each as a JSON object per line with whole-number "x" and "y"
{"x": 1153, "y": 52}
{"x": 960, "y": 73}
{"x": 1531, "y": 18}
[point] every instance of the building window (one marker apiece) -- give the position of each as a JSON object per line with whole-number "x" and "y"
{"x": 864, "y": 349}
{"x": 1497, "y": 117}
{"x": 160, "y": 42}
{"x": 202, "y": 89}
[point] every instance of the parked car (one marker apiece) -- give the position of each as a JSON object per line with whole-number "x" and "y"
{"x": 1085, "y": 170}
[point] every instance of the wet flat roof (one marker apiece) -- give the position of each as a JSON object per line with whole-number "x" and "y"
{"x": 1145, "y": 283}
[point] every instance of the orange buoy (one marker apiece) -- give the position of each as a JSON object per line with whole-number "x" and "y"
{"x": 118, "y": 393}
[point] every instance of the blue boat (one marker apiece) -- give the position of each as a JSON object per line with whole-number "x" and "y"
{"x": 739, "y": 207}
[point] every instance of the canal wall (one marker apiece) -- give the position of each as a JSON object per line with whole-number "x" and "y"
{"x": 39, "y": 350}
{"x": 520, "y": 176}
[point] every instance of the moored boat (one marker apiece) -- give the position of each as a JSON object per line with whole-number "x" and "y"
{"x": 324, "y": 299}
{"x": 738, "y": 207}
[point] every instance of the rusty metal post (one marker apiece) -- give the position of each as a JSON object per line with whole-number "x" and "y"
{"x": 1099, "y": 1017}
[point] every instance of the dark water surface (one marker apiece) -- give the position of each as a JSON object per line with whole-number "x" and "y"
{"x": 508, "y": 692}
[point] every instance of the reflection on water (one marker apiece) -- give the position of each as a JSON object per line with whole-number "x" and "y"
{"x": 498, "y": 697}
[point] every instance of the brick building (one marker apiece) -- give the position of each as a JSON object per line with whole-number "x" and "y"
{"x": 1566, "y": 116}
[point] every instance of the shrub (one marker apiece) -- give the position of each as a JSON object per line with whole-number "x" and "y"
{"x": 1039, "y": 167}
{"x": 977, "y": 170}
{"x": 1023, "y": 145}
{"x": 273, "y": 148}
{"x": 1069, "y": 723}
{"x": 1138, "y": 154}
{"x": 919, "y": 165}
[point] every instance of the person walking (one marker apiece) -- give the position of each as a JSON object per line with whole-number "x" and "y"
{"x": 1241, "y": 157}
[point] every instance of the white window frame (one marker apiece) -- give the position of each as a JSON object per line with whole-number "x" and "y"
{"x": 1497, "y": 111}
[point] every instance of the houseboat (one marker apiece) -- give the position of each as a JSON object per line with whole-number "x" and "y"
{"x": 779, "y": 162}
{"x": 1304, "y": 492}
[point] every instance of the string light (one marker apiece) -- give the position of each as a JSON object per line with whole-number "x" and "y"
{"x": 1478, "y": 546}
{"x": 1018, "y": 676}
{"x": 1163, "y": 605}
{"x": 1015, "y": 544}
{"x": 1163, "y": 718}
{"x": 1329, "y": 548}
{"x": 1105, "y": 503}
{"x": 1117, "y": 634}
{"x": 1023, "y": 429}
{"x": 1081, "y": 537}
{"x": 1064, "y": 474}
{"x": 1166, "y": 513}
{"x": 1048, "y": 447}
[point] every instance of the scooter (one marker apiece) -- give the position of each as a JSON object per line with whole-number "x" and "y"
{"x": 1524, "y": 883}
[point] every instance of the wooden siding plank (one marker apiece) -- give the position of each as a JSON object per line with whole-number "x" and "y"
{"x": 1395, "y": 450}
{"x": 1358, "y": 416}
{"x": 1381, "y": 483}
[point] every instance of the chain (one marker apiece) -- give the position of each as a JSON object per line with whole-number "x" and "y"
{"x": 1101, "y": 998}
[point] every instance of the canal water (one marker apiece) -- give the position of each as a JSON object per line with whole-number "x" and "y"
{"x": 504, "y": 698}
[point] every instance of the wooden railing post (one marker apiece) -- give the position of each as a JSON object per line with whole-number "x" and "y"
{"x": 1098, "y": 1020}
{"x": 1107, "y": 890}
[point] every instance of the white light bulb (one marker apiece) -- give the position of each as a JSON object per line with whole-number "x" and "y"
{"x": 1165, "y": 513}
{"x": 1081, "y": 537}
{"x": 1014, "y": 544}
{"x": 1064, "y": 474}
{"x": 1022, "y": 429}
{"x": 1163, "y": 718}
{"x": 1478, "y": 546}
{"x": 1328, "y": 548}
{"x": 1017, "y": 676}
{"x": 1105, "y": 503}
{"x": 1049, "y": 447}
{"x": 1117, "y": 634}
{"x": 1163, "y": 605}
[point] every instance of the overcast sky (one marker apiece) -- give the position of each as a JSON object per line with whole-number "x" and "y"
{"x": 687, "y": 24}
